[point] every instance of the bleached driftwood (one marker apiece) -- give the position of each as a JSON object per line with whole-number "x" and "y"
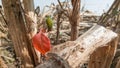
{"x": 78, "y": 52}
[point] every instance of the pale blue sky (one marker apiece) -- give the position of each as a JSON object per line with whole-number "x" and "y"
{"x": 96, "y": 6}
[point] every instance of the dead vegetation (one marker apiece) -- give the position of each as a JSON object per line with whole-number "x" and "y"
{"x": 95, "y": 47}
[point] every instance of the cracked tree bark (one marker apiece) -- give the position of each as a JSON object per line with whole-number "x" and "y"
{"x": 17, "y": 29}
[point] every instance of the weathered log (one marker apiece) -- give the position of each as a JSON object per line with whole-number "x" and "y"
{"x": 78, "y": 52}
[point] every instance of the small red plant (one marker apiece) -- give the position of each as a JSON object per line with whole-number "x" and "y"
{"x": 41, "y": 42}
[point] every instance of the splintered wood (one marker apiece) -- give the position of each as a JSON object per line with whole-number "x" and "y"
{"x": 78, "y": 52}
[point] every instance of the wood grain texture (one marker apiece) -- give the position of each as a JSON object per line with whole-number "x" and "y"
{"x": 78, "y": 52}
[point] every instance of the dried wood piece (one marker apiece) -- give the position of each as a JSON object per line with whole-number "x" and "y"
{"x": 78, "y": 52}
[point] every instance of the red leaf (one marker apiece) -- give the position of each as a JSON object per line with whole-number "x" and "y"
{"x": 41, "y": 42}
